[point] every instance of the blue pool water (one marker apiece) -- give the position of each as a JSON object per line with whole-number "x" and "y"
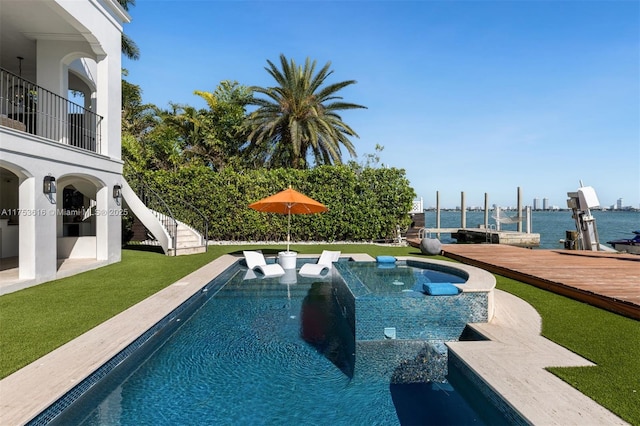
{"x": 393, "y": 279}
{"x": 279, "y": 351}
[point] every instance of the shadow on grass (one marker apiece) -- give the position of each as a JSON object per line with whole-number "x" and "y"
{"x": 267, "y": 252}
{"x": 143, "y": 247}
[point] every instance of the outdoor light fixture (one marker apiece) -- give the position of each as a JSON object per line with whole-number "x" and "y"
{"x": 117, "y": 191}
{"x": 49, "y": 185}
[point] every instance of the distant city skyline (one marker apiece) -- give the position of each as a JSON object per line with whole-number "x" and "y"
{"x": 536, "y": 203}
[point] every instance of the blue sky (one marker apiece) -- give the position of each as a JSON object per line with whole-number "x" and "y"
{"x": 466, "y": 96}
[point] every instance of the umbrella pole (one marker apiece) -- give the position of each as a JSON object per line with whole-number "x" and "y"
{"x": 288, "y": 229}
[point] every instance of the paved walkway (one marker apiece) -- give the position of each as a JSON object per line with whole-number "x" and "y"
{"x": 512, "y": 362}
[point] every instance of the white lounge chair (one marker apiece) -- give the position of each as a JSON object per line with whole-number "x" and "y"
{"x": 255, "y": 260}
{"x": 325, "y": 262}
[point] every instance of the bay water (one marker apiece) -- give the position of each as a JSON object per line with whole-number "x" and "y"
{"x": 550, "y": 224}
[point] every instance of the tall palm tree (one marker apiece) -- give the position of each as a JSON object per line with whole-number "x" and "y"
{"x": 299, "y": 117}
{"x": 129, "y": 47}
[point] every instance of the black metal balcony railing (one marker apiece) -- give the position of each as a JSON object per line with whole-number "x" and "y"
{"x": 28, "y": 107}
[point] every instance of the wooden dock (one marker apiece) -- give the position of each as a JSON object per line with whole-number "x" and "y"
{"x": 610, "y": 281}
{"x": 512, "y": 238}
{"x": 475, "y": 235}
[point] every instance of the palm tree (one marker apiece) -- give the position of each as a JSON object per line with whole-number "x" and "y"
{"x": 299, "y": 117}
{"x": 223, "y": 134}
{"x": 129, "y": 47}
{"x": 137, "y": 118}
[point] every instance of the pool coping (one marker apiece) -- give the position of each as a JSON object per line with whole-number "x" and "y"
{"x": 512, "y": 362}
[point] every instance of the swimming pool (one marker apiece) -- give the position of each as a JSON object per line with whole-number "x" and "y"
{"x": 267, "y": 352}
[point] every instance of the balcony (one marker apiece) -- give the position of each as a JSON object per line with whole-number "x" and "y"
{"x": 29, "y": 108}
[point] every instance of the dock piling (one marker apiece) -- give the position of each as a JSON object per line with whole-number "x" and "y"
{"x": 519, "y": 208}
{"x": 463, "y": 210}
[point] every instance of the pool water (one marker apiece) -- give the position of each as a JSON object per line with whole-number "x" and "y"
{"x": 389, "y": 279}
{"x": 273, "y": 352}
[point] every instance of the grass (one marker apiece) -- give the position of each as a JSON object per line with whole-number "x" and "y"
{"x": 39, "y": 319}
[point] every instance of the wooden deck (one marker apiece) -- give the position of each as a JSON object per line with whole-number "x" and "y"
{"x": 608, "y": 280}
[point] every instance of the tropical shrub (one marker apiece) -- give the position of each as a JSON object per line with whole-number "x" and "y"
{"x": 365, "y": 204}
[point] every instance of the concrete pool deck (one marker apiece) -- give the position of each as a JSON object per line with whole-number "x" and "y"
{"x": 512, "y": 362}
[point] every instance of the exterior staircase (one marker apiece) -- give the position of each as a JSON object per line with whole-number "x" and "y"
{"x": 160, "y": 228}
{"x": 188, "y": 241}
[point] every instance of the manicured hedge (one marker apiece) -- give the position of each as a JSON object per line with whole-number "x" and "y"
{"x": 365, "y": 204}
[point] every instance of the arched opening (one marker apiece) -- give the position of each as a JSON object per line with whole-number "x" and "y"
{"x": 77, "y": 218}
{"x": 81, "y": 90}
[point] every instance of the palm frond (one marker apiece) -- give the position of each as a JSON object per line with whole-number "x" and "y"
{"x": 297, "y": 116}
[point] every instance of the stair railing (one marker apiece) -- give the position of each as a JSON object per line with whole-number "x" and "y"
{"x": 153, "y": 201}
{"x": 197, "y": 220}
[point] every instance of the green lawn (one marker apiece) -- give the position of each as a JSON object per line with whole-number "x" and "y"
{"x": 37, "y": 320}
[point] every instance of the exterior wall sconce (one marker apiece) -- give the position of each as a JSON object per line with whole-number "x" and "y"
{"x": 117, "y": 192}
{"x": 49, "y": 185}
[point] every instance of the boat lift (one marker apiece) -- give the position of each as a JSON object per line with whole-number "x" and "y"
{"x": 580, "y": 203}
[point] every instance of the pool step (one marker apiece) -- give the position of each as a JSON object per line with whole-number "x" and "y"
{"x": 265, "y": 289}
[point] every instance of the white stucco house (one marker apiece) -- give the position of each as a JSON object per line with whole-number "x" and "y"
{"x": 60, "y": 123}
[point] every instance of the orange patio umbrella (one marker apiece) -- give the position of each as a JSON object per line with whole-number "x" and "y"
{"x": 288, "y": 202}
